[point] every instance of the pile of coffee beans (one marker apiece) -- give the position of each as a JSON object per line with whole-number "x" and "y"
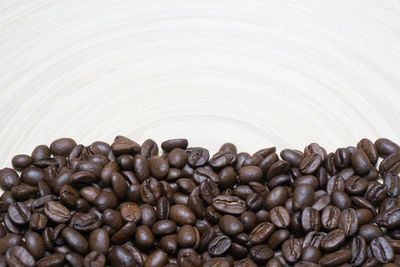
{"x": 126, "y": 204}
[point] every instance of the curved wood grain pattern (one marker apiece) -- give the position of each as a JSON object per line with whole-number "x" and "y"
{"x": 256, "y": 73}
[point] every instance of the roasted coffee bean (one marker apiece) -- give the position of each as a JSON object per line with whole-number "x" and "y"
{"x": 62, "y": 146}
{"x": 124, "y": 145}
{"x": 144, "y": 238}
{"x": 303, "y": 196}
{"x": 310, "y": 219}
{"x": 333, "y": 240}
{"x": 57, "y": 212}
{"x": 19, "y": 256}
{"x": 313, "y": 239}
{"x": 219, "y": 245}
{"x": 120, "y": 256}
{"x": 99, "y": 240}
{"x": 382, "y": 250}
{"x": 335, "y": 258}
{"x": 291, "y": 250}
{"x": 280, "y": 217}
{"x": 369, "y": 148}
{"x": 197, "y": 156}
{"x": 335, "y": 183}
{"x": 130, "y": 212}
{"x": 279, "y": 167}
{"x": 277, "y": 197}
{"x": 392, "y": 182}
{"x": 356, "y": 185}
{"x": 348, "y": 221}
{"x": 310, "y": 163}
{"x": 182, "y": 215}
{"x": 385, "y": 147}
{"x": 231, "y": 225}
{"x": 8, "y": 179}
{"x": 358, "y": 249}
{"x": 261, "y": 254}
{"x": 277, "y": 238}
{"x": 229, "y": 204}
{"x": 341, "y": 200}
{"x": 360, "y": 162}
{"x": 20, "y": 162}
{"x": 19, "y": 213}
{"x": 124, "y": 234}
{"x": 250, "y": 173}
{"x": 261, "y": 232}
{"x": 149, "y": 148}
{"x": 8, "y": 241}
{"x": 370, "y": 232}
{"x": 75, "y": 240}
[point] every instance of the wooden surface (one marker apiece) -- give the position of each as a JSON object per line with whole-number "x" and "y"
{"x": 256, "y": 73}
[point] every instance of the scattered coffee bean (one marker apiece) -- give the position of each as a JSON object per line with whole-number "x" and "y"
{"x": 125, "y": 205}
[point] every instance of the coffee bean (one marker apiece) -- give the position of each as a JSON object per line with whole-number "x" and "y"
{"x": 124, "y": 234}
{"x": 99, "y": 240}
{"x": 120, "y": 256}
{"x": 310, "y": 219}
{"x": 303, "y": 196}
{"x": 358, "y": 248}
{"x": 19, "y": 213}
{"x": 20, "y": 162}
{"x": 310, "y": 163}
{"x": 348, "y": 221}
{"x": 8, "y": 179}
{"x": 385, "y": 147}
{"x": 382, "y": 250}
{"x": 229, "y": 204}
{"x": 369, "y": 148}
{"x": 182, "y": 215}
{"x": 261, "y": 232}
{"x": 124, "y": 145}
{"x": 261, "y": 254}
{"x": 335, "y": 258}
{"x": 333, "y": 240}
{"x": 62, "y": 146}
{"x": 197, "y": 156}
{"x": 291, "y": 250}
{"x": 219, "y": 246}
{"x": 231, "y": 225}
{"x": 280, "y": 217}
{"x": 144, "y": 238}
{"x": 19, "y": 256}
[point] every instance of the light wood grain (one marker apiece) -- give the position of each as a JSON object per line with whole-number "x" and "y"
{"x": 256, "y": 73}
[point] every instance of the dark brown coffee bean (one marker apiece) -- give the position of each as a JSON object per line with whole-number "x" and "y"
{"x": 261, "y": 254}
{"x": 150, "y": 191}
{"x": 219, "y": 245}
{"x": 182, "y": 215}
{"x": 315, "y": 148}
{"x": 360, "y": 162}
{"x": 279, "y": 167}
{"x": 277, "y": 197}
{"x": 369, "y": 148}
{"x": 62, "y": 146}
{"x": 32, "y": 175}
{"x": 18, "y": 256}
{"x": 310, "y": 220}
{"x": 124, "y": 145}
{"x": 144, "y": 238}
{"x": 149, "y": 149}
{"x": 358, "y": 248}
{"x": 130, "y": 212}
{"x": 250, "y": 173}
{"x": 222, "y": 159}
{"x": 335, "y": 183}
{"x": 8, "y": 241}
{"x": 385, "y": 147}
{"x": 291, "y": 250}
{"x": 261, "y": 232}
{"x": 303, "y": 196}
{"x": 335, "y": 258}
{"x": 231, "y": 225}
{"x": 195, "y": 203}
{"x": 94, "y": 259}
{"x": 157, "y": 259}
{"x": 124, "y": 234}
{"x": 392, "y": 182}
{"x": 348, "y": 221}
{"x": 294, "y": 157}
{"x": 57, "y": 212}
{"x": 164, "y": 227}
{"x": 311, "y": 254}
{"x": 341, "y": 158}
{"x": 8, "y": 179}
{"x": 370, "y": 232}
{"x": 20, "y": 162}
{"x": 19, "y": 213}
{"x": 99, "y": 240}
{"x": 75, "y": 240}
{"x": 277, "y": 238}
{"x": 197, "y": 156}
{"x": 188, "y": 257}
{"x": 120, "y": 256}
{"x": 382, "y": 250}
{"x": 310, "y": 163}
{"x": 333, "y": 240}
{"x": 341, "y": 200}
{"x": 280, "y": 217}
{"x": 356, "y": 185}
{"x": 86, "y": 221}
{"x": 229, "y": 204}
{"x": 69, "y": 195}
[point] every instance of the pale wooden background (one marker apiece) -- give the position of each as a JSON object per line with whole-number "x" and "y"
{"x": 256, "y": 73}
